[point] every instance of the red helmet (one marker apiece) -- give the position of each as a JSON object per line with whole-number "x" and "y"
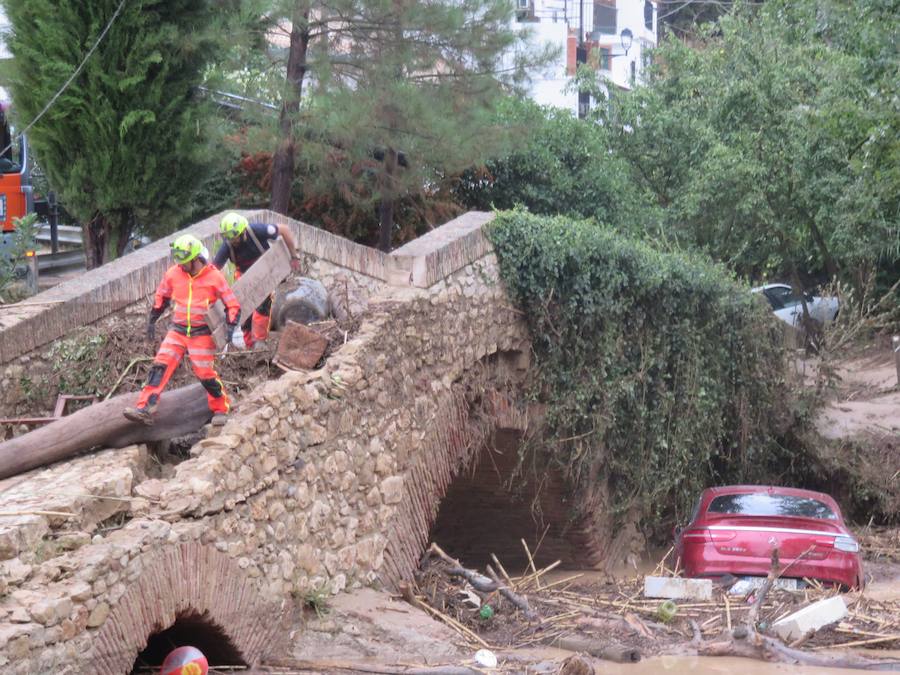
{"x": 185, "y": 661}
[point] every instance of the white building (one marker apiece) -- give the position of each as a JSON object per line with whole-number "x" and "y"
{"x": 610, "y": 36}
{"x": 4, "y": 26}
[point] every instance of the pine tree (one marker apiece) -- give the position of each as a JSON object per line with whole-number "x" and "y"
{"x": 385, "y": 99}
{"x": 124, "y": 143}
{"x": 410, "y": 91}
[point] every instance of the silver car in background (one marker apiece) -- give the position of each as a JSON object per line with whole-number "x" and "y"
{"x": 788, "y": 307}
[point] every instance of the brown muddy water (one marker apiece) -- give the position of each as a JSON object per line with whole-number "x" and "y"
{"x": 709, "y": 665}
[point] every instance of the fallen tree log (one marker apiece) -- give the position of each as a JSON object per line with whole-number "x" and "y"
{"x": 181, "y": 411}
{"x": 484, "y": 584}
{"x": 746, "y": 641}
{"x": 765, "y": 648}
{"x": 605, "y": 650}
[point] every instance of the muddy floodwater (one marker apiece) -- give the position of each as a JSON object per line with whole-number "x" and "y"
{"x": 700, "y": 665}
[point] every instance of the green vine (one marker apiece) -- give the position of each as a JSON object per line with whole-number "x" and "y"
{"x": 76, "y": 366}
{"x": 660, "y": 374}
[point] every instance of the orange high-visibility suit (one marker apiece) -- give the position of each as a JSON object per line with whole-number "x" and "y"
{"x": 189, "y": 332}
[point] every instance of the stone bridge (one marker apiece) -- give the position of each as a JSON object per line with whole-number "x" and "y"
{"x": 321, "y": 481}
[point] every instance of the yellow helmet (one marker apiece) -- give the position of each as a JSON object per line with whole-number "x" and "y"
{"x": 186, "y": 248}
{"x": 233, "y": 225}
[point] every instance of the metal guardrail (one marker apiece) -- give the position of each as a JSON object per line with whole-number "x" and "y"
{"x": 66, "y": 234}
{"x": 60, "y": 261}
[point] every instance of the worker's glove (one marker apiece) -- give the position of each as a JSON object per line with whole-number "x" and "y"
{"x": 151, "y": 324}
{"x": 229, "y": 331}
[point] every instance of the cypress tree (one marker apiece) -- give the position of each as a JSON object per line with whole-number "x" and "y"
{"x": 124, "y": 143}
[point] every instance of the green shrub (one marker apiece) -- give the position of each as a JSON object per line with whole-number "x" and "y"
{"x": 661, "y": 375}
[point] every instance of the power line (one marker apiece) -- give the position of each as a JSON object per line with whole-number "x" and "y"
{"x": 71, "y": 77}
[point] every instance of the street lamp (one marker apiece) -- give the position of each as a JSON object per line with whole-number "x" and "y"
{"x": 626, "y": 37}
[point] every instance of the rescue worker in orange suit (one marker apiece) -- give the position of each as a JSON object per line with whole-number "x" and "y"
{"x": 194, "y": 286}
{"x": 244, "y": 244}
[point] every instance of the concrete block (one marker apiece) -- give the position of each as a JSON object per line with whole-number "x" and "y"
{"x": 810, "y": 618}
{"x": 747, "y": 584}
{"x": 675, "y": 588}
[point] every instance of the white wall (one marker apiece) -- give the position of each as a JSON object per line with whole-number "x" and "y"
{"x": 4, "y": 26}
{"x": 548, "y": 85}
{"x": 553, "y": 20}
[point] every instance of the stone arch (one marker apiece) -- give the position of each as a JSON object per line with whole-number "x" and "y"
{"x": 188, "y": 581}
{"x": 483, "y": 514}
{"x": 457, "y": 442}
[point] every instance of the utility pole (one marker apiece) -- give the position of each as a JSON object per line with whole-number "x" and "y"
{"x": 584, "y": 98}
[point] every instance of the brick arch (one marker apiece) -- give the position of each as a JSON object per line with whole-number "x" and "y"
{"x": 180, "y": 580}
{"x": 462, "y": 436}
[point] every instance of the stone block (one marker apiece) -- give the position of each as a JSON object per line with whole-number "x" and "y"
{"x": 299, "y": 347}
{"x": 392, "y": 489}
{"x": 98, "y": 615}
{"x": 811, "y": 618}
{"x": 675, "y": 588}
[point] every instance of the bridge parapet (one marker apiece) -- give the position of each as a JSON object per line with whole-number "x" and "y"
{"x": 321, "y": 481}
{"x": 125, "y": 286}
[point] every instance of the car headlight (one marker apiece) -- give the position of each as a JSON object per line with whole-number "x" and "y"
{"x": 847, "y": 544}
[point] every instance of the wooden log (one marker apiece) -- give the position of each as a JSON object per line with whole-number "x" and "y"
{"x": 254, "y": 286}
{"x": 306, "y": 304}
{"x": 181, "y": 411}
{"x": 600, "y": 649}
{"x": 756, "y": 646}
{"x": 483, "y": 584}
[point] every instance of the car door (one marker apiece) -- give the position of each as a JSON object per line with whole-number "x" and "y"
{"x": 785, "y": 304}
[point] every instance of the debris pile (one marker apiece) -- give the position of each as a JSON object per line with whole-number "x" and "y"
{"x": 881, "y": 544}
{"x": 615, "y": 620}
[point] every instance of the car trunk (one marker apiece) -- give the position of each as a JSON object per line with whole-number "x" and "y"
{"x": 757, "y": 536}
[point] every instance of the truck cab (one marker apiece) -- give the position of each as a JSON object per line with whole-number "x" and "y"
{"x": 16, "y": 197}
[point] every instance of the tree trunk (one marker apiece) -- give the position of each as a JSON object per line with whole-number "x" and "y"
{"x": 181, "y": 411}
{"x": 830, "y": 264}
{"x": 386, "y": 207}
{"x": 283, "y": 159}
{"x": 124, "y": 231}
{"x": 95, "y": 235}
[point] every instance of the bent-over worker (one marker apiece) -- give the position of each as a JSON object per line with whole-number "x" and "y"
{"x": 244, "y": 244}
{"x": 194, "y": 285}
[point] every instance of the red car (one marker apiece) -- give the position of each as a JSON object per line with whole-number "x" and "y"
{"x": 734, "y": 529}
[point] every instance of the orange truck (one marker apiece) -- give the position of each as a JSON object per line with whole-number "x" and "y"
{"x": 16, "y": 198}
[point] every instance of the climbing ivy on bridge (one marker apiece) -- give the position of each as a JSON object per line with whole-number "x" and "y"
{"x": 661, "y": 375}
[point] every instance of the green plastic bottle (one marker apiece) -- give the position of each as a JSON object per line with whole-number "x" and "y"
{"x": 666, "y": 611}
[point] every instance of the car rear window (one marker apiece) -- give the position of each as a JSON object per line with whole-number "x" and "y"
{"x": 771, "y": 505}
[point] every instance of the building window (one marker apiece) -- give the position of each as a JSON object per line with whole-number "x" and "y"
{"x": 633, "y": 72}
{"x": 599, "y": 58}
{"x": 524, "y": 10}
{"x": 604, "y": 19}
{"x": 584, "y": 104}
{"x": 604, "y": 58}
{"x": 648, "y": 14}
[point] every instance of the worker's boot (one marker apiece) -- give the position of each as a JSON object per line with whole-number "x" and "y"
{"x": 219, "y": 419}
{"x": 141, "y": 415}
